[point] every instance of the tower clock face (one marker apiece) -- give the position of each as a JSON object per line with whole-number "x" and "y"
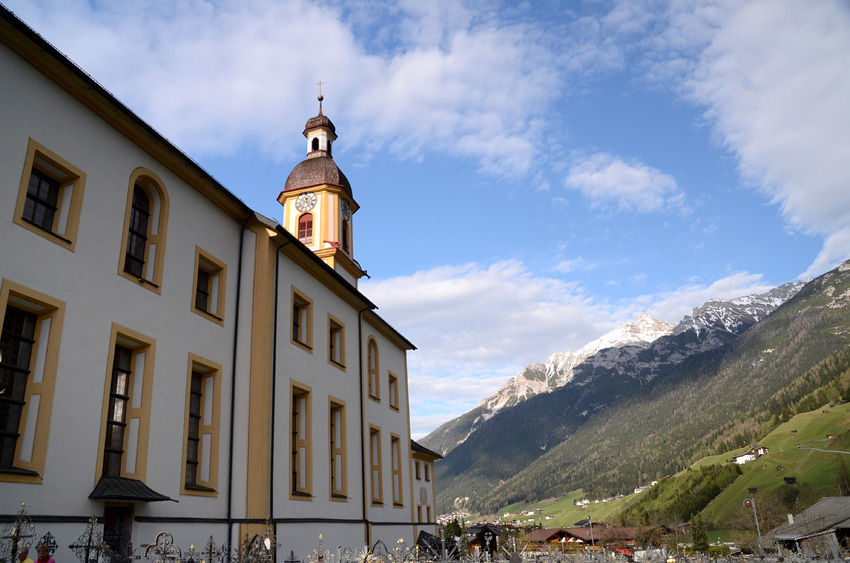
{"x": 344, "y": 209}
{"x": 305, "y": 201}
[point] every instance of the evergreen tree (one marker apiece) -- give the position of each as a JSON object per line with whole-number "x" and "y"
{"x": 699, "y": 536}
{"x": 454, "y": 529}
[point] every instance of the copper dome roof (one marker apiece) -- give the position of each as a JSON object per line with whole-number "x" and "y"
{"x": 316, "y": 171}
{"x": 319, "y": 121}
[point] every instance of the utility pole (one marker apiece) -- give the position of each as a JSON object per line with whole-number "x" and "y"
{"x": 592, "y": 549}
{"x": 751, "y": 503}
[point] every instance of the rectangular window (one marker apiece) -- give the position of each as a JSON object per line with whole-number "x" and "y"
{"x": 209, "y": 287}
{"x": 29, "y": 348}
{"x": 127, "y": 405}
{"x": 50, "y": 196}
{"x": 16, "y": 343}
{"x": 427, "y": 472}
{"x": 373, "y": 364}
{"x": 302, "y": 320}
{"x": 301, "y": 445}
{"x": 419, "y": 513}
{"x": 395, "y": 452}
{"x": 375, "y": 466}
{"x": 416, "y": 468}
{"x": 336, "y": 342}
{"x": 203, "y": 412}
{"x": 393, "y": 389}
{"x": 116, "y": 420}
{"x": 338, "y": 461}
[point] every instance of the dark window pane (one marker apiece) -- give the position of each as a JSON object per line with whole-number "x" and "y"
{"x": 16, "y": 343}
{"x": 115, "y": 424}
{"x": 42, "y": 196}
{"x": 203, "y": 292}
{"x": 137, "y": 236}
{"x": 193, "y": 440}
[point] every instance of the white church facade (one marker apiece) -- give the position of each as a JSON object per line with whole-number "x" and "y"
{"x": 171, "y": 359}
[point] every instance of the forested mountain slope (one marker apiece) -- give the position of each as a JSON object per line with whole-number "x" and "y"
{"x": 625, "y": 422}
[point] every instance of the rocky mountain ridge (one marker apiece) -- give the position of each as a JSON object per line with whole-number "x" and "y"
{"x": 635, "y": 350}
{"x": 736, "y": 315}
{"x": 558, "y": 368}
{"x": 539, "y": 378}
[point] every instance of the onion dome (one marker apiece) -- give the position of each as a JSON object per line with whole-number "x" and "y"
{"x": 317, "y": 171}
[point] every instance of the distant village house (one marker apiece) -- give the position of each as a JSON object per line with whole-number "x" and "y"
{"x": 754, "y": 453}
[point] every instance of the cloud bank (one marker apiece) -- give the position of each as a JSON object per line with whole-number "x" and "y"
{"x": 476, "y": 326}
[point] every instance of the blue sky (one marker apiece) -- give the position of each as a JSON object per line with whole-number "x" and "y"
{"x": 530, "y": 175}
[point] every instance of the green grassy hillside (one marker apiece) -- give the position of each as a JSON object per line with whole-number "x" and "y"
{"x": 818, "y": 473}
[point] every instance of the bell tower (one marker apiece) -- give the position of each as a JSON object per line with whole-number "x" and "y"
{"x": 318, "y": 205}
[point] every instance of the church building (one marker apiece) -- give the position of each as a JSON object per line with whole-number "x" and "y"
{"x": 171, "y": 359}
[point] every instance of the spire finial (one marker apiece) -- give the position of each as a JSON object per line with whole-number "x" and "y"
{"x": 321, "y": 97}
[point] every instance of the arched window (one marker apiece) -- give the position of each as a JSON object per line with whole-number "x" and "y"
{"x": 305, "y": 228}
{"x": 315, "y": 143}
{"x": 144, "y": 230}
{"x": 345, "y": 245}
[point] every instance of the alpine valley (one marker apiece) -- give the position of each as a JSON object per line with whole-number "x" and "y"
{"x": 648, "y": 398}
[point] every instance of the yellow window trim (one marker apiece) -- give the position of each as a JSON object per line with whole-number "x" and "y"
{"x": 152, "y": 273}
{"x": 296, "y": 492}
{"x": 69, "y": 177}
{"x": 338, "y": 495}
{"x": 396, "y": 459}
{"x": 138, "y": 343}
{"x": 377, "y": 497}
{"x": 300, "y": 299}
{"x": 333, "y": 321}
{"x": 214, "y": 267}
{"x": 208, "y": 369}
{"x": 45, "y": 307}
{"x": 392, "y": 385}
{"x": 373, "y": 369}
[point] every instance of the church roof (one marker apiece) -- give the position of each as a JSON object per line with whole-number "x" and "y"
{"x": 320, "y": 121}
{"x": 316, "y": 171}
{"x": 417, "y": 447}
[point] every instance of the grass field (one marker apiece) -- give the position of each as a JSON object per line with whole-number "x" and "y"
{"x": 818, "y": 473}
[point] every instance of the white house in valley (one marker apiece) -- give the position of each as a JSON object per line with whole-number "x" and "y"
{"x": 163, "y": 342}
{"x": 750, "y": 455}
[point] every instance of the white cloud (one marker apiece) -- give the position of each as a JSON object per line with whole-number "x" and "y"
{"x": 217, "y": 76}
{"x": 631, "y": 186}
{"x": 672, "y": 306}
{"x": 774, "y": 76}
{"x": 575, "y": 265}
{"x": 476, "y": 326}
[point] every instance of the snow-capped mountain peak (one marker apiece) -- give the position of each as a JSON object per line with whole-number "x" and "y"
{"x": 558, "y": 369}
{"x": 738, "y": 314}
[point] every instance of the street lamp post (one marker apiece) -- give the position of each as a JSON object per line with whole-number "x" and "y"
{"x": 751, "y": 503}
{"x": 590, "y": 524}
